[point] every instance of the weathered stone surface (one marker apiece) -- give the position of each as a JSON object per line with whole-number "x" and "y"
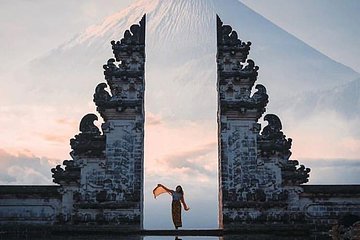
{"x": 29, "y": 204}
{"x": 329, "y": 204}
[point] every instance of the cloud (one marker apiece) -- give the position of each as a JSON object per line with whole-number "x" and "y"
{"x": 42, "y": 129}
{"x": 27, "y": 175}
{"x": 67, "y": 122}
{"x": 334, "y": 163}
{"x": 55, "y": 138}
{"x": 25, "y": 169}
{"x": 333, "y": 171}
{"x": 196, "y": 161}
{"x": 324, "y": 135}
{"x": 153, "y": 119}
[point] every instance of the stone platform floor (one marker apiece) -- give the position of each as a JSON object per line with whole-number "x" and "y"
{"x": 115, "y": 232}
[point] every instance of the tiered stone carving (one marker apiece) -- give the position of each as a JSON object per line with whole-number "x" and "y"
{"x": 104, "y": 181}
{"x": 71, "y": 173}
{"x": 255, "y": 172}
{"x": 273, "y": 144}
{"x": 89, "y": 142}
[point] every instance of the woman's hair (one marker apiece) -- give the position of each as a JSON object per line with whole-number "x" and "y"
{"x": 180, "y": 190}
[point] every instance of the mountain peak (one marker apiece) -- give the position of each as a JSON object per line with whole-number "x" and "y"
{"x": 179, "y": 16}
{"x": 181, "y": 40}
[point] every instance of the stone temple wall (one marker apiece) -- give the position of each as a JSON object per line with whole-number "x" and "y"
{"x": 327, "y": 204}
{"x": 258, "y": 182}
{"x": 29, "y": 204}
{"x": 103, "y": 182}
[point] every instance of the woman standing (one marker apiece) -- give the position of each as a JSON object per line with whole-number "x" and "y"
{"x": 177, "y": 200}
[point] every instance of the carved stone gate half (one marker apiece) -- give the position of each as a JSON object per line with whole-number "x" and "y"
{"x": 256, "y": 178}
{"x": 258, "y": 183}
{"x": 104, "y": 182}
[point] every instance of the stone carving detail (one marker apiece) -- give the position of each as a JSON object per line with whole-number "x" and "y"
{"x": 272, "y": 140}
{"x": 292, "y": 174}
{"x": 124, "y": 163}
{"x": 103, "y": 100}
{"x": 273, "y": 143}
{"x": 89, "y": 142}
{"x": 228, "y": 41}
{"x": 241, "y": 153}
{"x": 87, "y": 125}
{"x": 124, "y": 74}
{"x": 260, "y": 98}
{"x": 133, "y": 41}
{"x": 235, "y": 77}
{"x": 71, "y": 173}
{"x": 231, "y": 68}
{"x": 101, "y": 96}
{"x": 239, "y": 98}
{"x": 124, "y": 68}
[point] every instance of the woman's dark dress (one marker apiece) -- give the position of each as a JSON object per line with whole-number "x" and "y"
{"x": 176, "y": 209}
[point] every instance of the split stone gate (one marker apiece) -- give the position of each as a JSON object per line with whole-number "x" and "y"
{"x": 103, "y": 182}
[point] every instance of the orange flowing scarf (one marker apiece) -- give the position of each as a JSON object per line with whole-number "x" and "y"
{"x": 158, "y": 191}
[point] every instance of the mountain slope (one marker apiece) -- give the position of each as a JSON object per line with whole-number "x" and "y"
{"x": 179, "y": 33}
{"x": 343, "y": 100}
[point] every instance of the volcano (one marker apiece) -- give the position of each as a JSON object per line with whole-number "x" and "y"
{"x": 181, "y": 57}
